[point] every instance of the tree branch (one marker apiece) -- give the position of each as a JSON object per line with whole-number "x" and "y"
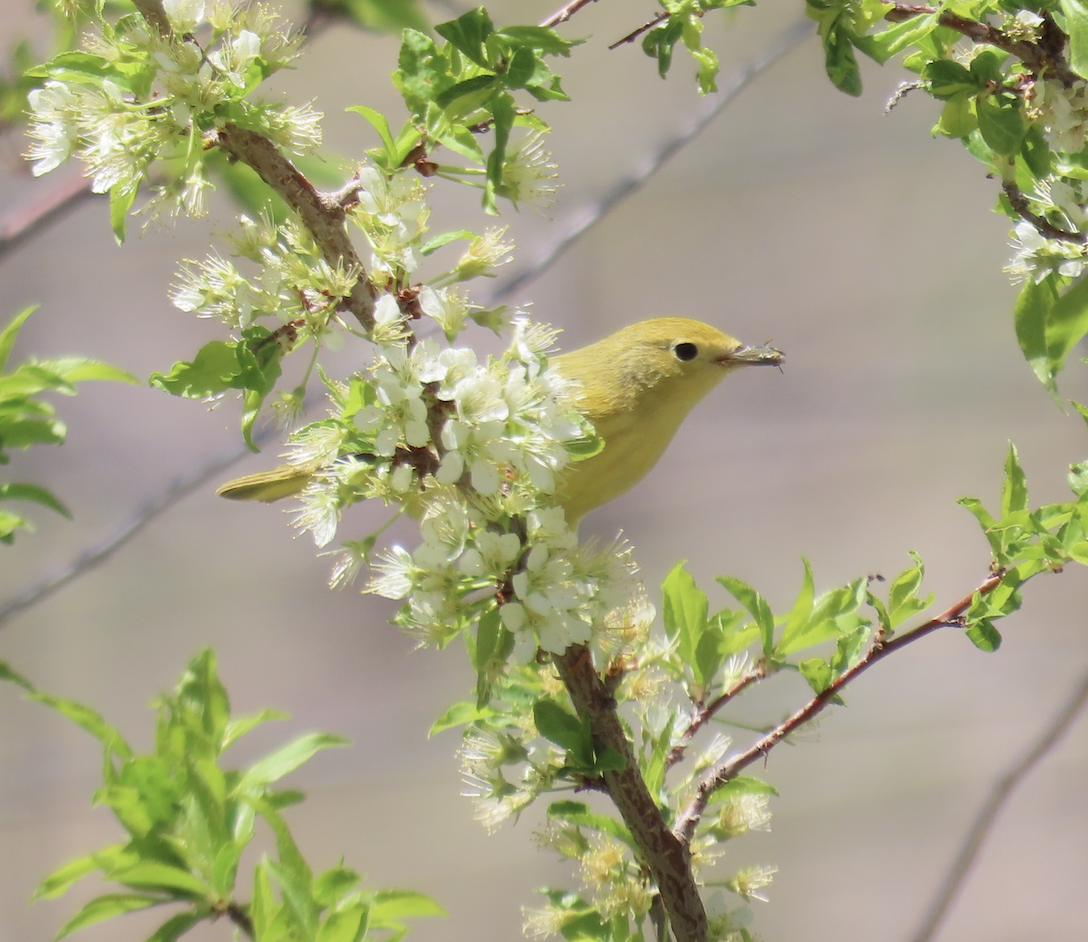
{"x": 153, "y": 12}
{"x": 987, "y": 816}
{"x": 1019, "y": 202}
{"x": 324, "y": 217}
{"x": 664, "y": 854}
{"x": 881, "y": 648}
{"x": 48, "y": 202}
{"x": 1043, "y": 57}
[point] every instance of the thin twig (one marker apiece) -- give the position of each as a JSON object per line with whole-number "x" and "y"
{"x": 579, "y": 222}
{"x": 730, "y": 767}
{"x": 98, "y": 553}
{"x": 999, "y": 796}
{"x": 48, "y": 203}
{"x": 644, "y": 28}
{"x": 561, "y": 16}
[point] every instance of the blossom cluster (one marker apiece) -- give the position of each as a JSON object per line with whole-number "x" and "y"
{"x": 475, "y": 451}
{"x": 1063, "y": 111}
{"x": 149, "y": 97}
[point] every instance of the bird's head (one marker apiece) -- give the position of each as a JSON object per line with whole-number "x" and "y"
{"x": 685, "y": 355}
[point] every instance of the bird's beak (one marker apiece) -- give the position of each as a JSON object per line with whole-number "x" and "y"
{"x": 752, "y": 356}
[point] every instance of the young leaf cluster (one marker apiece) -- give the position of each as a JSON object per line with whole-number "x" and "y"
{"x": 1012, "y": 80}
{"x": 682, "y": 22}
{"x": 26, "y": 419}
{"x": 459, "y": 90}
{"x": 188, "y": 820}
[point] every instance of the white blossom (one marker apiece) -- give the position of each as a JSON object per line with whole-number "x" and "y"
{"x": 528, "y": 174}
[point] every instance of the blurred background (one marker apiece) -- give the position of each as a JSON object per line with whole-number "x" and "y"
{"x": 859, "y": 244}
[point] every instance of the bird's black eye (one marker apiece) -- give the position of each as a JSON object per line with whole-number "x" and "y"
{"x": 685, "y": 351}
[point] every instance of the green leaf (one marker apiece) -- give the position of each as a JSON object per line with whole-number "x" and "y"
{"x": 122, "y": 196}
{"x": 1032, "y": 314}
{"x": 742, "y": 785}
{"x": 380, "y": 123}
{"x": 345, "y": 925}
{"x": 286, "y": 759}
{"x": 81, "y": 369}
{"x": 547, "y": 40}
{"x": 212, "y": 371}
{"x": 1014, "y": 492}
{"x": 381, "y": 16}
{"x": 265, "y": 908}
{"x": 34, "y": 494}
{"x": 423, "y": 71}
{"x": 801, "y": 612}
{"x": 488, "y": 630}
{"x": 468, "y": 34}
{"x": 106, "y": 907}
{"x": 89, "y": 720}
{"x": 684, "y": 611}
{"x": 1066, "y": 325}
{"x": 658, "y": 43}
{"x": 708, "y": 656}
{"x": 830, "y": 618}
{"x": 579, "y": 814}
{"x": 946, "y": 79}
{"x": 757, "y": 607}
{"x": 150, "y": 875}
{"x": 988, "y": 524}
{"x": 984, "y": 635}
{"x": 1076, "y": 26}
{"x": 237, "y": 728}
{"x": 957, "y": 117}
{"x": 558, "y": 725}
{"x": 817, "y": 672}
{"x": 1035, "y": 153}
{"x": 252, "y": 365}
{"x": 11, "y": 332}
{"x": 176, "y": 926}
{"x": 460, "y": 714}
{"x": 1001, "y": 123}
{"x": 59, "y": 881}
{"x": 297, "y": 897}
{"x": 432, "y": 245}
{"x": 334, "y": 884}
{"x": 903, "y": 600}
{"x": 403, "y": 904}
{"x": 840, "y": 62}
{"x": 502, "y": 109}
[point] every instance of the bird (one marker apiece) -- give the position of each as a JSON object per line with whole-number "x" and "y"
{"x": 636, "y": 387}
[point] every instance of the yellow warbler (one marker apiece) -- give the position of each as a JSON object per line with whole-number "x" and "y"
{"x": 635, "y": 386}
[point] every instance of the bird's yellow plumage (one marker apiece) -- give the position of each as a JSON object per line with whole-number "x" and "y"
{"x": 636, "y": 387}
